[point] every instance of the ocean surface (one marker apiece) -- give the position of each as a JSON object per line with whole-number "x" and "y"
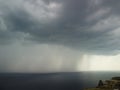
{"x": 53, "y": 81}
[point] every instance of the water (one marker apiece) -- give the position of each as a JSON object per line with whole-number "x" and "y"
{"x": 53, "y": 81}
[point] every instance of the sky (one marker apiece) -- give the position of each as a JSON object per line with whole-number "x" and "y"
{"x": 59, "y": 35}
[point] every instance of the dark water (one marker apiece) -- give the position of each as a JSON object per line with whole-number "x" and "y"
{"x": 53, "y": 81}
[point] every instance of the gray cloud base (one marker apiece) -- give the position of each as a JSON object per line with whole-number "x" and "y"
{"x": 88, "y": 25}
{"x": 54, "y": 35}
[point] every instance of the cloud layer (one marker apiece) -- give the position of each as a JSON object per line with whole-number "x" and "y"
{"x": 65, "y": 29}
{"x": 90, "y": 25}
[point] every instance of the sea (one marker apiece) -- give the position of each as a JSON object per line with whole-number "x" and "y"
{"x": 53, "y": 81}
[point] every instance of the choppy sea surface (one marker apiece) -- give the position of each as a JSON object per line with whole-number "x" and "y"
{"x": 53, "y": 81}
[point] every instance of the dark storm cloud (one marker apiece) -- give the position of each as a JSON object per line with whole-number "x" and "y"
{"x": 90, "y": 25}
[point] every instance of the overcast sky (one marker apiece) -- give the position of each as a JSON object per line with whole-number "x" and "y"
{"x": 59, "y": 35}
